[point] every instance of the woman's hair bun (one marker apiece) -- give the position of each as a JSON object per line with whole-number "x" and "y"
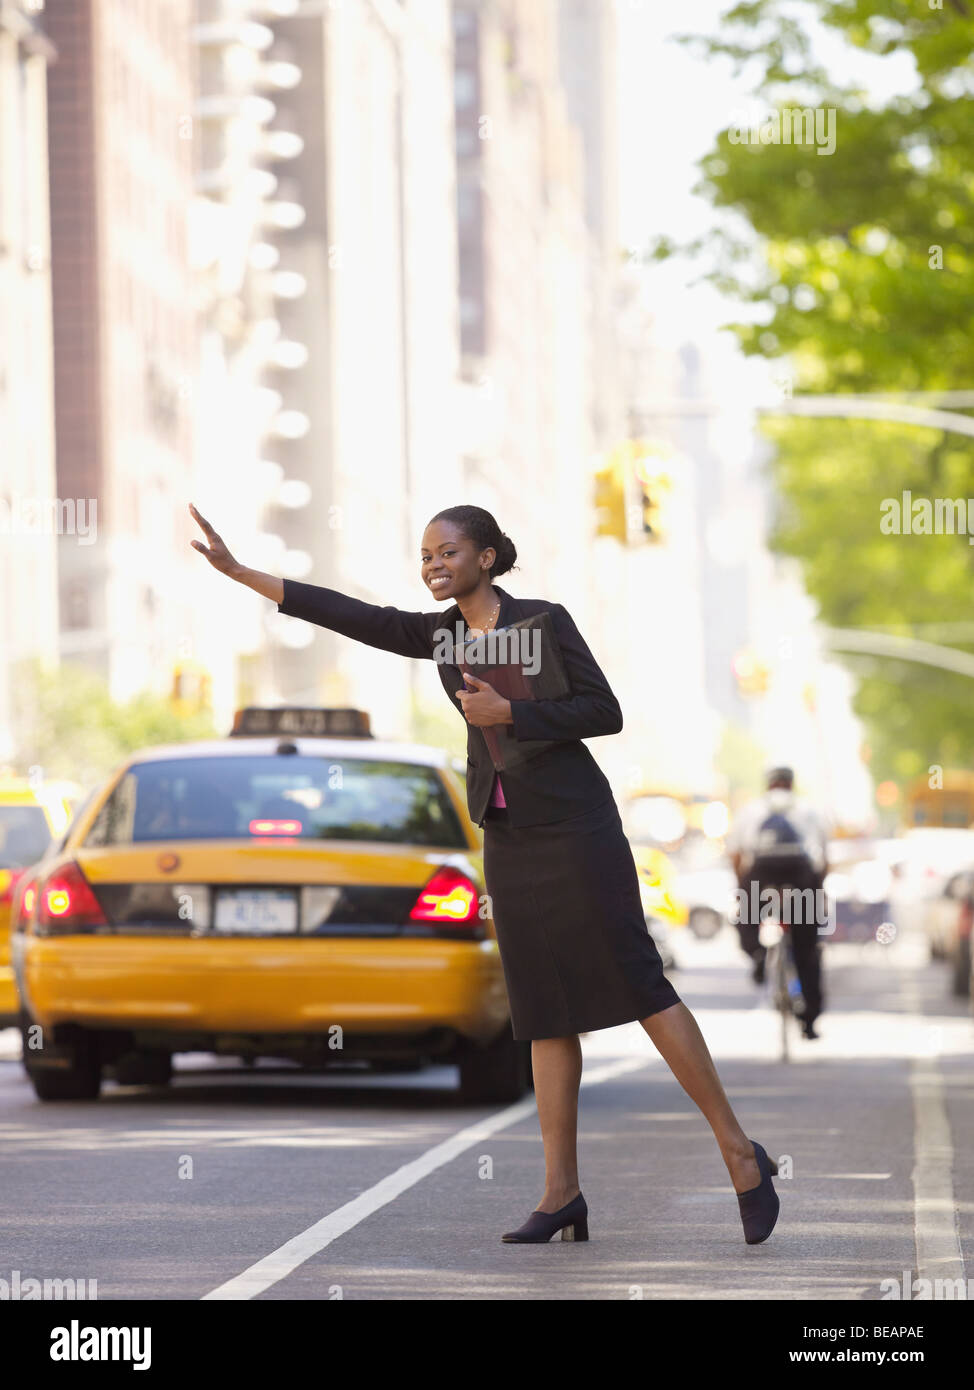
{"x": 506, "y": 556}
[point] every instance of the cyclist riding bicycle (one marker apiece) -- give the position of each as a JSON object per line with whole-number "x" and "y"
{"x": 779, "y": 842}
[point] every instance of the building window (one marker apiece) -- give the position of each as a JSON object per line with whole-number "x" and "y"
{"x": 464, "y": 88}
{"x": 470, "y": 311}
{"x": 77, "y": 611}
{"x": 468, "y": 204}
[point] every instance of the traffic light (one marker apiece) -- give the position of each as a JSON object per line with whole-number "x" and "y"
{"x": 192, "y": 688}
{"x": 753, "y": 675}
{"x": 633, "y": 492}
{"x": 610, "y": 499}
{"x": 655, "y": 487}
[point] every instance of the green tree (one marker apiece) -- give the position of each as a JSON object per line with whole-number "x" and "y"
{"x": 858, "y": 267}
{"x": 66, "y": 723}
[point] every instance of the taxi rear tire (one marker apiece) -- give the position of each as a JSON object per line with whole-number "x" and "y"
{"x": 499, "y": 1071}
{"x": 705, "y": 922}
{"x": 78, "y": 1079}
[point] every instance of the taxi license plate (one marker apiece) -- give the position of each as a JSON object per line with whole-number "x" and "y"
{"x": 260, "y": 910}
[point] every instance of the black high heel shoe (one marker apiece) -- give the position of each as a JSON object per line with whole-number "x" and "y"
{"x": 759, "y": 1205}
{"x": 571, "y": 1220}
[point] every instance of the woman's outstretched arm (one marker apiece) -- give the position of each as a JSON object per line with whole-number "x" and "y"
{"x": 220, "y": 558}
{"x": 390, "y": 629}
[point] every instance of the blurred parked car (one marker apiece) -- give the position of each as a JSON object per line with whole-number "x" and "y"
{"x": 662, "y": 909}
{"x": 707, "y": 884}
{"x": 928, "y": 857}
{"x": 947, "y": 921}
{"x": 264, "y": 895}
{"x": 858, "y": 887}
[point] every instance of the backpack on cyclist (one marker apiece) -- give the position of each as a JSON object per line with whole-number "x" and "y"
{"x": 780, "y": 855}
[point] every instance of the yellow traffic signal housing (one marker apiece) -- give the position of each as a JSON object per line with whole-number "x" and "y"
{"x": 192, "y": 688}
{"x": 753, "y": 675}
{"x": 640, "y": 472}
{"x": 654, "y": 482}
{"x": 610, "y": 500}
{"x": 653, "y": 509}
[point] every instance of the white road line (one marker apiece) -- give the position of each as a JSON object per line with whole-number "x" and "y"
{"x": 283, "y": 1261}
{"x": 938, "y": 1248}
{"x": 939, "y": 1254}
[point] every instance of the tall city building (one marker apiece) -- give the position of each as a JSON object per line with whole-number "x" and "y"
{"x": 245, "y": 398}
{"x": 587, "y": 49}
{"x": 29, "y": 511}
{"x": 378, "y": 323}
{"x": 120, "y": 115}
{"x": 524, "y": 291}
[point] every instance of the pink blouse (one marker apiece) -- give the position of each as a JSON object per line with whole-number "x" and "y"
{"x": 497, "y": 792}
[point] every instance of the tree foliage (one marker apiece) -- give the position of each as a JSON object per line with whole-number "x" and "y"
{"x": 858, "y": 267}
{"x": 67, "y": 724}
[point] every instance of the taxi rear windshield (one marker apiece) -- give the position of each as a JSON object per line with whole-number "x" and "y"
{"x": 24, "y": 835}
{"x": 263, "y": 798}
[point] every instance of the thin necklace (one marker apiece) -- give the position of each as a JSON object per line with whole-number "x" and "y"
{"x": 490, "y": 622}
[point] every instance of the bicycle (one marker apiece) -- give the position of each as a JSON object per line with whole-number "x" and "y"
{"x": 780, "y": 972}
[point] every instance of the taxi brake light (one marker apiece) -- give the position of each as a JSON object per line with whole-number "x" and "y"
{"x": 67, "y": 903}
{"x": 450, "y": 897}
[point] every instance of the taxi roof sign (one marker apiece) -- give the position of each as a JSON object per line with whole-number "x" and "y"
{"x": 255, "y": 721}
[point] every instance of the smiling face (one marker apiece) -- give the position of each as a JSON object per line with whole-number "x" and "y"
{"x": 452, "y": 565}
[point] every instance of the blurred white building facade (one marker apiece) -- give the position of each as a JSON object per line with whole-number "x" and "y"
{"x": 379, "y": 322}
{"x": 524, "y": 311}
{"x": 245, "y": 410}
{"x": 120, "y": 96}
{"x": 28, "y": 489}
{"x": 265, "y": 215}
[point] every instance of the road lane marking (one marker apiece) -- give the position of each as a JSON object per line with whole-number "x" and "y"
{"x": 283, "y": 1261}
{"x": 856, "y": 1177}
{"x": 939, "y": 1254}
{"x": 938, "y": 1249}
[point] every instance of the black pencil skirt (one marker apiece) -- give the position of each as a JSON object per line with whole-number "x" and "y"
{"x": 570, "y": 925}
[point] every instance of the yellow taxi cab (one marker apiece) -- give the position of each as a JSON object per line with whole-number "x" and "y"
{"x": 298, "y": 890}
{"x": 31, "y": 816}
{"x": 658, "y": 886}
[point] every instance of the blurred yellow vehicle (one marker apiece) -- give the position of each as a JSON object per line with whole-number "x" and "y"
{"x": 30, "y": 817}
{"x": 946, "y": 805}
{"x": 298, "y": 890}
{"x": 657, "y": 886}
{"x": 662, "y": 907}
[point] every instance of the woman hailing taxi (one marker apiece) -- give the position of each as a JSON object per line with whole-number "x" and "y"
{"x": 559, "y": 872}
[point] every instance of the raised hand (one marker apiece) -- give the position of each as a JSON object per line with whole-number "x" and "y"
{"x": 217, "y": 553}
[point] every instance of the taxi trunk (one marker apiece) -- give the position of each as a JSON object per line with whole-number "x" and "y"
{"x": 222, "y": 945}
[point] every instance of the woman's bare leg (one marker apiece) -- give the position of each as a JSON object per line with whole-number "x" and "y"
{"x": 679, "y": 1041}
{"x": 557, "y": 1066}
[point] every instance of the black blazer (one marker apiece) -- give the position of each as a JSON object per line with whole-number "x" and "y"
{"x": 562, "y": 778}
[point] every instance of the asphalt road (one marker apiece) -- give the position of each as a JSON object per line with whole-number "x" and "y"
{"x": 268, "y": 1184}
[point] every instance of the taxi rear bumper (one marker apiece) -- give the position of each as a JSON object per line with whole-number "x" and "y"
{"x": 398, "y": 988}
